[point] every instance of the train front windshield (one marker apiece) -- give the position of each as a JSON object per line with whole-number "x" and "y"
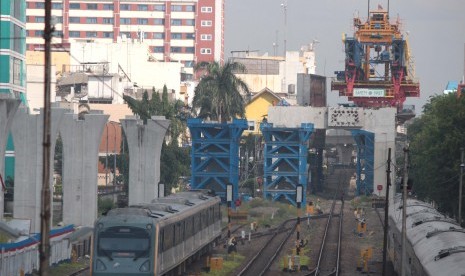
{"x": 123, "y": 242}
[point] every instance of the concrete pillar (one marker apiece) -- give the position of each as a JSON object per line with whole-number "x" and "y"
{"x": 81, "y": 140}
{"x": 27, "y": 132}
{"x": 144, "y": 144}
{"x": 382, "y": 123}
{"x": 8, "y": 109}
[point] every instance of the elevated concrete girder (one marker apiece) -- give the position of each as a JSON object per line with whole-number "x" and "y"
{"x": 144, "y": 143}
{"x": 27, "y": 133}
{"x": 380, "y": 121}
{"x": 81, "y": 139}
{"x": 8, "y": 109}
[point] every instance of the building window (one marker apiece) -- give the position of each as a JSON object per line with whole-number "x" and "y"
{"x": 206, "y": 9}
{"x": 190, "y": 50}
{"x": 176, "y": 22}
{"x": 190, "y": 36}
{"x": 58, "y": 19}
{"x": 190, "y": 22}
{"x": 92, "y": 6}
{"x": 190, "y": 8}
{"x": 72, "y": 6}
{"x": 189, "y": 63}
{"x": 176, "y": 8}
{"x": 205, "y": 51}
{"x": 57, "y": 6}
{"x": 58, "y": 33}
{"x": 91, "y": 20}
{"x": 108, "y": 34}
{"x": 158, "y": 21}
{"x": 107, "y": 20}
{"x": 125, "y": 21}
{"x": 206, "y": 37}
{"x": 142, "y": 7}
{"x": 159, "y": 7}
{"x": 125, "y": 7}
{"x": 176, "y": 36}
{"x": 74, "y": 34}
{"x": 125, "y": 34}
{"x": 159, "y": 35}
{"x": 176, "y": 50}
{"x": 40, "y": 5}
{"x": 108, "y": 7}
{"x": 206, "y": 23}
{"x": 142, "y": 21}
{"x": 158, "y": 49}
{"x": 91, "y": 34}
{"x": 39, "y": 33}
{"x": 39, "y": 19}
{"x": 74, "y": 20}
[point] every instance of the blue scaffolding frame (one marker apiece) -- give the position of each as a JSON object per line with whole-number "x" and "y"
{"x": 365, "y": 141}
{"x": 215, "y": 155}
{"x": 285, "y": 161}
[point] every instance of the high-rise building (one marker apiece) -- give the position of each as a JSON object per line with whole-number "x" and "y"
{"x": 12, "y": 49}
{"x": 188, "y": 31}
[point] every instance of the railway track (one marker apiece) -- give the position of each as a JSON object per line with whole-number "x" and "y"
{"x": 329, "y": 256}
{"x": 265, "y": 257}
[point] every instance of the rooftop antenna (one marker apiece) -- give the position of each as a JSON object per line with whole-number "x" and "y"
{"x": 275, "y": 45}
{"x": 388, "y": 10}
{"x": 368, "y": 15}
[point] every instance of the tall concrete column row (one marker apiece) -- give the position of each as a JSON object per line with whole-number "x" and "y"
{"x": 81, "y": 139}
{"x": 8, "y": 108}
{"x": 145, "y": 143}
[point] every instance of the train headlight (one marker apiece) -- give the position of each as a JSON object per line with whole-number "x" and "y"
{"x": 145, "y": 267}
{"x": 149, "y": 226}
{"x": 100, "y": 266}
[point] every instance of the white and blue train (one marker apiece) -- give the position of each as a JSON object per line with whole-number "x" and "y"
{"x": 435, "y": 243}
{"x": 158, "y": 238}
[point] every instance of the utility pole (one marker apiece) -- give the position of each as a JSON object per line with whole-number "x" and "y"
{"x": 404, "y": 211}
{"x": 462, "y": 165}
{"x": 386, "y": 210}
{"x": 44, "y": 248}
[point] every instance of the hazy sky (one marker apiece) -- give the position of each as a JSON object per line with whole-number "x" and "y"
{"x": 436, "y": 34}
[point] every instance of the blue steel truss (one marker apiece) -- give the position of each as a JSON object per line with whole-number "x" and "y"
{"x": 285, "y": 161}
{"x": 215, "y": 155}
{"x": 365, "y": 141}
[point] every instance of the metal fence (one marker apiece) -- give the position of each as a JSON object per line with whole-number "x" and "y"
{"x": 22, "y": 256}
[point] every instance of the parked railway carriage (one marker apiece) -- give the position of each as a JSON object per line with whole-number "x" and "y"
{"x": 156, "y": 238}
{"x": 435, "y": 244}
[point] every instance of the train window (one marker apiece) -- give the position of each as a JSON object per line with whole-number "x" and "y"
{"x": 197, "y": 222}
{"x": 178, "y": 233}
{"x": 160, "y": 241}
{"x": 168, "y": 237}
{"x": 123, "y": 242}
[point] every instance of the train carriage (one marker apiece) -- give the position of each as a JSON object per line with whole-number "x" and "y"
{"x": 435, "y": 243}
{"x": 156, "y": 238}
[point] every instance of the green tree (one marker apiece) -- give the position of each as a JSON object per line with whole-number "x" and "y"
{"x": 435, "y": 139}
{"x": 218, "y": 94}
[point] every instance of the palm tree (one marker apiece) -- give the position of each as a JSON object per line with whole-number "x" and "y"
{"x": 218, "y": 94}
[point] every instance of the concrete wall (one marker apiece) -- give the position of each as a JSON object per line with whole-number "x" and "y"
{"x": 81, "y": 140}
{"x": 8, "y": 109}
{"x": 35, "y": 87}
{"x": 144, "y": 144}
